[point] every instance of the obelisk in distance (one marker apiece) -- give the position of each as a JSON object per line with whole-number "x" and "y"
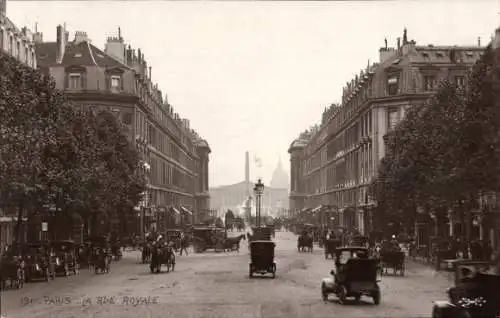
{"x": 247, "y": 172}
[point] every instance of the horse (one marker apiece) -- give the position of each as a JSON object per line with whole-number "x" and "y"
{"x": 101, "y": 261}
{"x": 146, "y": 253}
{"x": 305, "y": 241}
{"x": 168, "y": 257}
{"x": 233, "y": 242}
{"x": 156, "y": 259}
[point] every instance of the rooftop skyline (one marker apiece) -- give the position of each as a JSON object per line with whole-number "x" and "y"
{"x": 259, "y": 73}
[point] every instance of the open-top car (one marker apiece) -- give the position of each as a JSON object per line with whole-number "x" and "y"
{"x": 39, "y": 261}
{"x": 262, "y": 258}
{"x": 355, "y": 275}
{"x": 66, "y": 257}
{"x": 475, "y": 294}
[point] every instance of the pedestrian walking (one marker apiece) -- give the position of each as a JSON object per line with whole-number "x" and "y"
{"x": 184, "y": 242}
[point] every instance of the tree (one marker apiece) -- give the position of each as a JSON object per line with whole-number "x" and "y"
{"x": 58, "y": 160}
{"x": 445, "y": 154}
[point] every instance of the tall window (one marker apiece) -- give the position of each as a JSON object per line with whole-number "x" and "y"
{"x": 18, "y": 49}
{"x": 460, "y": 81}
{"x": 74, "y": 80}
{"x": 11, "y": 44}
{"x": 115, "y": 82}
{"x": 1, "y": 39}
{"x": 392, "y": 84}
{"x": 392, "y": 118}
{"x": 429, "y": 82}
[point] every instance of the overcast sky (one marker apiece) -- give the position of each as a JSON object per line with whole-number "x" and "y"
{"x": 253, "y": 75}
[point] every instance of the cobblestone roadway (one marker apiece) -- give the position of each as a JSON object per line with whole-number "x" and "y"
{"x": 217, "y": 285}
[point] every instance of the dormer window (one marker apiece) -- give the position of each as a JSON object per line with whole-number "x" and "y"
{"x": 115, "y": 81}
{"x": 75, "y": 78}
{"x": 392, "y": 84}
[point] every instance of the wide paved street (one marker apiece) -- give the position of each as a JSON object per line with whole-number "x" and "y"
{"x": 217, "y": 285}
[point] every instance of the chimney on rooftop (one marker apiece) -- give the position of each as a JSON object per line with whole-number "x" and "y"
{"x": 81, "y": 36}
{"x": 61, "y": 43}
{"x": 116, "y": 48}
{"x": 496, "y": 39}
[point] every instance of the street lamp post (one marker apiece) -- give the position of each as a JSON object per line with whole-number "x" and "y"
{"x": 258, "y": 190}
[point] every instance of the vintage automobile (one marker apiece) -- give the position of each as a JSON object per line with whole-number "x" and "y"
{"x": 262, "y": 233}
{"x": 208, "y": 237}
{"x": 65, "y": 252}
{"x": 475, "y": 293}
{"x": 262, "y": 258}
{"x": 355, "y": 275}
{"x": 12, "y": 271}
{"x": 39, "y": 262}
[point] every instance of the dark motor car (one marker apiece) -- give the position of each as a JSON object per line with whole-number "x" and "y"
{"x": 355, "y": 275}
{"x": 262, "y": 258}
{"x": 475, "y": 294}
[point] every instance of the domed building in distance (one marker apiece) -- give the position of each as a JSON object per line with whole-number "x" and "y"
{"x": 280, "y": 179}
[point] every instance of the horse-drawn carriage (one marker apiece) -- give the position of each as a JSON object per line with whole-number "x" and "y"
{"x": 475, "y": 293}
{"x": 12, "y": 270}
{"x": 355, "y": 275}
{"x": 174, "y": 235}
{"x": 208, "y": 237}
{"x": 305, "y": 242}
{"x": 101, "y": 253}
{"x": 161, "y": 255}
{"x": 330, "y": 245}
{"x": 65, "y": 252}
{"x": 39, "y": 261}
{"x": 262, "y": 258}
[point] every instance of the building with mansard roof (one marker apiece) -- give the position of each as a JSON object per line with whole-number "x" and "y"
{"x": 174, "y": 157}
{"x": 333, "y": 164}
{"x": 14, "y": 41}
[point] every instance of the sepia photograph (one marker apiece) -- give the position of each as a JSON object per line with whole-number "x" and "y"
{"x": 249, "y": 159}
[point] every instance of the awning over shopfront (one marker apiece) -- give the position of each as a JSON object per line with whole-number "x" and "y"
{"x": 318, "y": 208}
{"x": 175, "y": 210}
{"x": 183, "y": 209}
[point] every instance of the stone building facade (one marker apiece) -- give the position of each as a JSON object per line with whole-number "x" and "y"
{"x": 16, "y": 42}
{"x": 333, "y": 163}
{"x": 174, "y": 157}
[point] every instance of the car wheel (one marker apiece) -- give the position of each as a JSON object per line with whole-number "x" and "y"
{"x": 342, "y": 295}
{"x": 324, "y": 293}
{"x": 376, "y": 297}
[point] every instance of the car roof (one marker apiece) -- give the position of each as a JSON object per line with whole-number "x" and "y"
{"x": 351, "y": 248}
{"x": 262, "y": 242}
